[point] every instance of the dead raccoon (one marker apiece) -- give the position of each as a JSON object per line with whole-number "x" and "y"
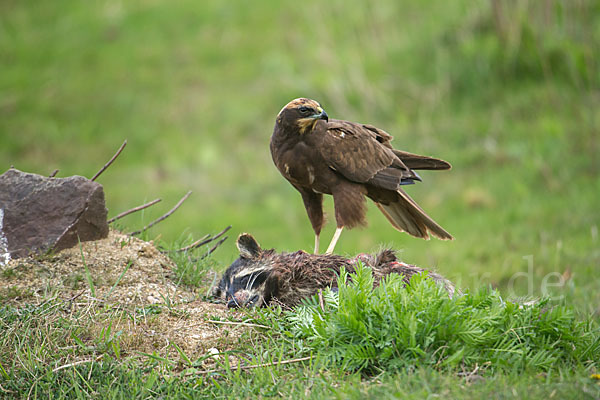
{"x": 259, "y": 276}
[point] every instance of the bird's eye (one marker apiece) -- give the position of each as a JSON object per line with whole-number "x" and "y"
{"x": 305, "y": 110}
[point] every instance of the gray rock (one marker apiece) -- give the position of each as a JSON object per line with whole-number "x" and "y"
{"x": 38, "y": 214}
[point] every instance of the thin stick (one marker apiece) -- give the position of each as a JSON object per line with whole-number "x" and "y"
{"x": 76, "y": 296}
{"x": 110, "y": 161}
{"x": 206, "y": 239}
{"x": 94, "y": 298}
{"x": 77, "y": 363}
{"x": 202, "y": 241}
{"x": 184, "y": 198}
{"x": 220, "y": 242}
{"x": 138, "y": 208}
{"x": 469, "y": 374}
{"x": 6, "y": 390}
{"x": 53, "y": 174}
{"x": 272, "y": 364}
{"x": 238, "y": 323}
{"x": 321, "y": 300}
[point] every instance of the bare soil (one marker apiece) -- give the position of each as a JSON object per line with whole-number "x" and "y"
{"x": 134, "y": 293}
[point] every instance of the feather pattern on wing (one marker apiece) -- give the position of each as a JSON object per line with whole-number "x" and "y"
{"x": 357, "y": 152}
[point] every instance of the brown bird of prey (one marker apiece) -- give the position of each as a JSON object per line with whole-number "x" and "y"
{"x": 318, "y": 155}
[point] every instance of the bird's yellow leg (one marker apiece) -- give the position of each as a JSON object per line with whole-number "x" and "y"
{"x": 316, "y": 244}
{"x": 334, "y": 240}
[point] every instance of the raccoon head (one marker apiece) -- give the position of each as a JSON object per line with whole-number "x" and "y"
{"x": 249, "y": 281}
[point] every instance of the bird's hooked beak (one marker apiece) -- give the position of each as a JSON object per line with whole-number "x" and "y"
{"x": 322, "y": 115}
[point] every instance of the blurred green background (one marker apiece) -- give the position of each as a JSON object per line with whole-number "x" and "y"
{"x": 507, "y": 91}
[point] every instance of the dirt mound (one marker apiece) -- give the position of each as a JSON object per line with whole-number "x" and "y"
{"x": 132, "y": 289}
{"x": 145, "y": 274}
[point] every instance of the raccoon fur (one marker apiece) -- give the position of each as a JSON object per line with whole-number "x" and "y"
{"x": 259, "y": 277}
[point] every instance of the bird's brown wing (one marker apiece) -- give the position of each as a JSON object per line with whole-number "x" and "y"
{"x": 359, "y": 154}
{"x": 362, "y": 153}
{"x": 382, "y": 136}
{"x": 411, "y": 160}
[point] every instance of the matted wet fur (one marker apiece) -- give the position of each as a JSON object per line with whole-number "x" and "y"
{"x": 259, "y": 277}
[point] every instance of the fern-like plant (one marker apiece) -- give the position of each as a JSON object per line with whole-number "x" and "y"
{"x": 399, "y": 326}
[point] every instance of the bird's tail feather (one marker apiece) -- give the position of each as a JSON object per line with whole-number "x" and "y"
{"x": 416, "y": 161}
{"x": 406, "y": 215}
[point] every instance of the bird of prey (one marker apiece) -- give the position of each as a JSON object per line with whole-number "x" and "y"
{"x": 348, "y": 160}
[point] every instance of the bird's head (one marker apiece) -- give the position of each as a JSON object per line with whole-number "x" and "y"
{"x": 302, "y": 113}
{"x": 249, "y": 281}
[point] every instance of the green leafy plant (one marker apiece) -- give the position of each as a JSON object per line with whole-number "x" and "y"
{"x": 398, "y": 326}
{"x": 109, "y": 340}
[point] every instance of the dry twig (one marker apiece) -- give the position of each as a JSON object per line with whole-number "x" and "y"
{"x": 6, "y": 390}
{"x": 272, "y": 364}
{"x": 220, "y": 242}
{"x": 110, "y": 161}
{"x": 238, "y": 323}
{"x": 321, "y": 303}
{"x": 138, "y": 208}
{"x": 205, "y": 240}
{"x": 77, "y": 363}
{"x": 200, "y": 242}
{"x": 156, "y": 221}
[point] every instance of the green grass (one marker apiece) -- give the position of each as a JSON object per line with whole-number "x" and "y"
{"x": 509, "y": 97}
{"x": 192, "y": 266}
{"x": 429, "y": 345}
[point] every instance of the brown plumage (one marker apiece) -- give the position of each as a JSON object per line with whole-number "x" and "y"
{"x": 318, "y": 155}
{"x": 259, "y": 277}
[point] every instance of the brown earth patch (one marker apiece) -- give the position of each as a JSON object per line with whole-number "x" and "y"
{"x": 146, "y": 274}
{"x": 135, "y": 301}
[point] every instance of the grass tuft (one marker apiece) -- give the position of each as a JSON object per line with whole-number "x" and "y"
{"x": 192, "y": 266}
